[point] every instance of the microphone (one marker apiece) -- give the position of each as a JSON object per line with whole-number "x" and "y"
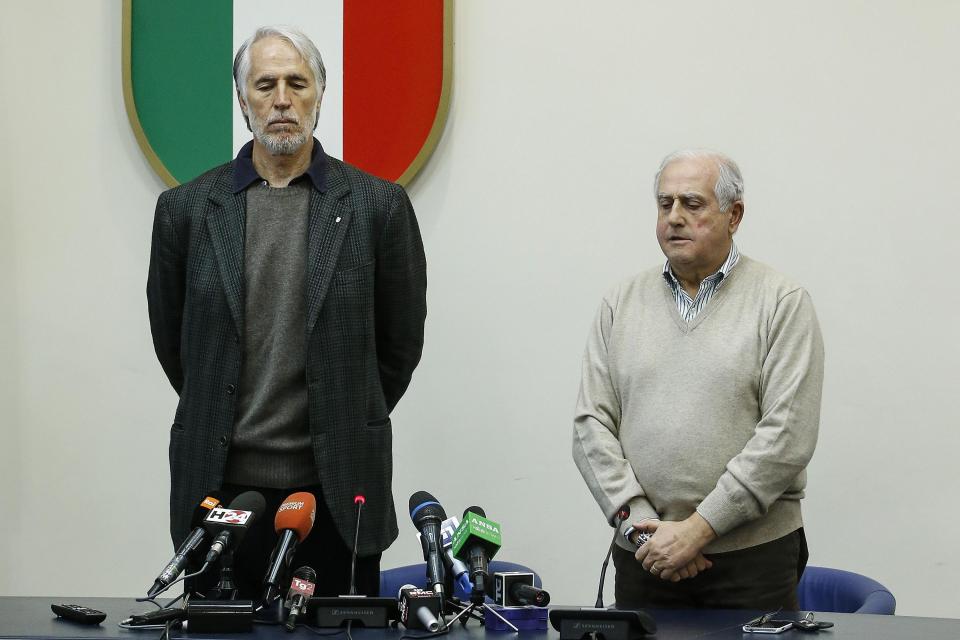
{"x": 358, "y": 500}
{"x": 527, "y": 594}
{"x": 459, "y": 572}
{"x": 231, "y": 524}
{"x": 369, "y": 611}
{"x": 427, "y": 515}
{"x": 618, "y": 519}
{"x": 301, "y": 588}
{"x": 176, "y": 565}
{"x": 419, "y": 608}
{"x": 597, "y": 621}
{"x": 516, "y": 589}
{"x": 293, "y": 523}
{"x": 476, "y": 541}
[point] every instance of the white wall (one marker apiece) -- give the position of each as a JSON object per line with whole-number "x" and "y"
{"x": 843, "y": 115}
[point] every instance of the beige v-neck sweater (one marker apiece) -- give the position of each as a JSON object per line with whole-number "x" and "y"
{"x": 719, "y": 415}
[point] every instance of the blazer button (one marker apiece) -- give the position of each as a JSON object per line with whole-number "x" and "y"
{"x": 223, "y": 441}
{"x": 231, "y": 389}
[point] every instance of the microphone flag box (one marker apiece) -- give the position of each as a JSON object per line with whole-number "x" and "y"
{"x": 447, "y": 528}
{"x": 299, "y": 586}
{"x": 476, "y": 530}
{"x": 235, "y": 517}
{"x": 523, "y": 618}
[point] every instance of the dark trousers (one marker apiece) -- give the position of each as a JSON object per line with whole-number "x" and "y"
{"x": 323, "y": 550}
{"x": 761, "y": 577}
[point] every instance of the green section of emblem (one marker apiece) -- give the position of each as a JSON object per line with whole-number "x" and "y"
{"x": 181, "y": 79}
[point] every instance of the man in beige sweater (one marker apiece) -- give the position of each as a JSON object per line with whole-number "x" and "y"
{"x": 699, "y": 408}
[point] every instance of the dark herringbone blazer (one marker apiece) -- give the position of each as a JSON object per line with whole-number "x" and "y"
{"x": 366, "y": 305}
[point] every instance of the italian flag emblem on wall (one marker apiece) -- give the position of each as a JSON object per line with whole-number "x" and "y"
{"x": 388, "y": 66}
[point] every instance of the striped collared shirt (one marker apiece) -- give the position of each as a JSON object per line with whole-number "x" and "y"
{"x": 690, "y": 307}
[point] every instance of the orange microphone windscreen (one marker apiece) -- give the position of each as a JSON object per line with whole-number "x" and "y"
{"x": 296, "y": 514}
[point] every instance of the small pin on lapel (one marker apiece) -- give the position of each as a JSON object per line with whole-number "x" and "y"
{"x": 338, "y": 219}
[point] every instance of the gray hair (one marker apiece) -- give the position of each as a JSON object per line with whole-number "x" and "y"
{"x": 304, "y": 46}
{"x": 729, "y": 187}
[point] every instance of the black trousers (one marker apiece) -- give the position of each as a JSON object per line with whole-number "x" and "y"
{"x": 323, "y": 550}
{"x": 761, "y": 577}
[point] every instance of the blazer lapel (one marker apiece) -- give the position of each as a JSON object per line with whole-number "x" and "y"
{"x": 330, "y": 213}
{"x": 226, "y": 225}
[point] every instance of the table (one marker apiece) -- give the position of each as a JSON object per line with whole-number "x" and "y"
{"x": 31, "y": 618}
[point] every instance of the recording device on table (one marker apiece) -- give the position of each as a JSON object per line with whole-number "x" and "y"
{"x": 613, "y": 624}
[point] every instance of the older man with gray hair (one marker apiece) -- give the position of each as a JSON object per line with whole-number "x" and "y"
{"x": 287, "y": 297}
{"x": 699, "y": 408}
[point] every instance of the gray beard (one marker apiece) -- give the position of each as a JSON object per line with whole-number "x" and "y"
{"x": 279, "y": 144}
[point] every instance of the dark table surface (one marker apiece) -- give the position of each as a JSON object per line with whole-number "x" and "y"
{"x": 31, "y": 617}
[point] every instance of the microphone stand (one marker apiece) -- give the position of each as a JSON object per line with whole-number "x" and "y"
{"x": 477, "y": 601}
{"x": 226, "y": 589}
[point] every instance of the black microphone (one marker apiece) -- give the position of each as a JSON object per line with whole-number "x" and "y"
{"x": 618, "y": 519}
{"x": 176, "y": 565}
{"x": 527, "y": 594}
{"x": 358, "y": 500}
{"x": 427, "y": 515}
{"x": 231, "y": 524}
{"x": 293, "y": 522}
{"x": 301, "y": 588}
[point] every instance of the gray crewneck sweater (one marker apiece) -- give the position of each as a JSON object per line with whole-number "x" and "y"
{"x": 271, "y": 436}
{"x": 719, "y": 415}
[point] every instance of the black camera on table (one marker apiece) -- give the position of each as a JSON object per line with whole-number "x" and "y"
{"x": 516, "y": 589}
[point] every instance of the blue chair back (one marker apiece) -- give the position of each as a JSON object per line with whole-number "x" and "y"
{"x": 416, "y": 574}
{"x": 823, "y": 589}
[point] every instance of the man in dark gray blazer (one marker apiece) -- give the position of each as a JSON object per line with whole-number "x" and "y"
{"x": 287, "y": 298}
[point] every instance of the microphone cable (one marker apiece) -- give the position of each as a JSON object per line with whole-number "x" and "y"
{"x": 206, "y": 565}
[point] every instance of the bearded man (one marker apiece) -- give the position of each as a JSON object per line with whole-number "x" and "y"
{"x": 287, "y": 298}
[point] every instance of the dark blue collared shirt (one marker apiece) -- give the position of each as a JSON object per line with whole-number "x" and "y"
{"x": 244, "y": 174}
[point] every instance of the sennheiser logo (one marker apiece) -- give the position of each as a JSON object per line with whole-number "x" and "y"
{"x": 353, "y": 612}
{"x": 592, "y": 625}
{"x": 288, "y": 506}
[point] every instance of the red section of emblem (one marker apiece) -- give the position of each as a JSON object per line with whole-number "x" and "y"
{"x": 393, "y": 77}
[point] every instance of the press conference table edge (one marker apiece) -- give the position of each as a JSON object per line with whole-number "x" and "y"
{"x": 30, "y": 618}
